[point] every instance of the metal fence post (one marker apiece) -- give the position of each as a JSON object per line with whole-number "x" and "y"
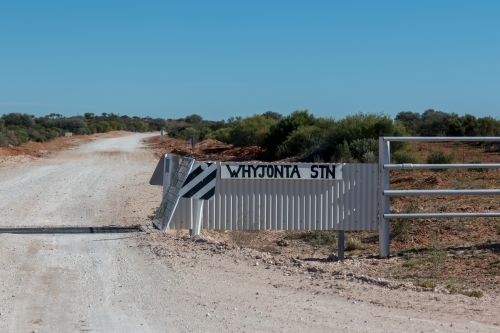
{"x": 197, "y": 216}
{"x": 166, "y": 174}
{"x": 341, "y": 244}
{"x": 384, "y": 201}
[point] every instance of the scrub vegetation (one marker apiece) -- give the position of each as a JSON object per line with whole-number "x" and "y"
{"x": 302, "y": 136}
{"x": 299, "y": 135}
{"x": 19, "y": 128}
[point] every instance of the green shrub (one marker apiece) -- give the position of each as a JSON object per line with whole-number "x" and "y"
{"x": 478, "y": 169}
{"x": 18, "y": 119}
{"x": 343, "y": 153}
{"x": 250, "y": 131}
{"x": 4, "y": 141}
{"x": 436, "y": 252}
{"x": 400, "y": 229}
{"x": 353, "y": 243}
{"x": 315, "y": 238}
{"x": 360, "y": 147}
{"x": 425, "y": 283}
{"x": 17, "y": 136}
{"x": 301, "y": 142}
{"x": 280, "y": 130}
{"x": 470, "y": 293}
{"x": 403, "y": 156}
{"x": 494, "y": 267}
{"x": 222, "y": 134}
{"x": 439, "y": 157}
{"x": 369, "y": 157}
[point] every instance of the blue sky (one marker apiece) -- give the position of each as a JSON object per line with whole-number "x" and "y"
{"x": 236, "y": 58}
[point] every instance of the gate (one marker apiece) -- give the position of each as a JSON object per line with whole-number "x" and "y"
{"x": 385, "y": 192}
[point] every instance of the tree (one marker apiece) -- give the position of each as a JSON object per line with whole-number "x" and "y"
{"x": 272, "y": 115}
{"x": 18, "y": 119}
{"x": 280, "y": 131}
{"x": 455, "y": 127}
{"x": 342, "y": 152}
{"x": 470, "y": 125}
{"x": 358, "y": 127}
{"x": 250, "y": 131}
{"x": 488, "y": 126}
{"x": 157, "y": 124}
{"x": 360, "y": 147}
{"x": 301, "y": 142}
{"x": 410, "y": 120}
{"x": 233, "y": 120}
{"x": 193, "y": 119}
{"x": 435, "y": 123}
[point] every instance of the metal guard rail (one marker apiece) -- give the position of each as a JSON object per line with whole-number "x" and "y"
{"x": 393, "y": 193}
{"x": 438, "y": 215}
{"x": 409, "y": 166}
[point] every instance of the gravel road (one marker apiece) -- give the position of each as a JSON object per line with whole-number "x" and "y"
{"x": 121, "y": 283}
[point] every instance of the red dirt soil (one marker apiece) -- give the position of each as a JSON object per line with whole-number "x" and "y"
{"x": 41, "y": 149}
{"x": 206, "y": 150}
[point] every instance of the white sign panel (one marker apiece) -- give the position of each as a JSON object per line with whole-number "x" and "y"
{"x": 309, "y": 171}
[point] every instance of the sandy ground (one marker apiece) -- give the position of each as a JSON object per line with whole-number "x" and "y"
{"x": 156, "y": 282}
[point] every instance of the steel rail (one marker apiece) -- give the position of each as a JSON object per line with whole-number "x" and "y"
{"x": 439, "y": 215}
{"x": 410, "y": 166}
{"x": 393, "y": 193}
{"x": 441, "y": 138}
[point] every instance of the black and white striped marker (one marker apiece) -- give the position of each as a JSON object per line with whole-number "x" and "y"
{"x": 200, "y": 184}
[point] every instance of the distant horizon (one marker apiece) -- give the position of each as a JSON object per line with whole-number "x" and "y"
{"x": 210, "y": 119}
{"x": 224, "y": 59}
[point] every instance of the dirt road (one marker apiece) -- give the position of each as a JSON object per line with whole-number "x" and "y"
{"x": 122, "y": 283}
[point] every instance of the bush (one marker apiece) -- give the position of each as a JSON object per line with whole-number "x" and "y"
{"x": 17, "y": 136}
{"x": 193, "y": 119}
{"x": 360, "y": 147}
{"x": 187, "y": 133}
{"x": 301, "y": 142}
{"x": 439, "y": 157}
{"x": 353, "y": 243}
{"x": 251, "y": 131}
{"x": 425, "y": 283}
{"x": 365, "y": 127}
{"x": 315, "y": 238}
{"x": 400, "y": 228}
{"x": 18, "y": 119}
{"x": 478, "y": 169}
{"x": 281, "y": 130}
{"x": 436, "y": 252}
{"x": 369, "y": 157}
{"x": 403, "y": 156}
{"x": 222, "y": 134}
{"x": 204, "y": 133}
{"x": 343, "y": 153}
{"x": 4, "y": 141}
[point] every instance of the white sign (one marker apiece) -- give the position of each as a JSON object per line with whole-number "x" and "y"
{"x": 320, "y": 171}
